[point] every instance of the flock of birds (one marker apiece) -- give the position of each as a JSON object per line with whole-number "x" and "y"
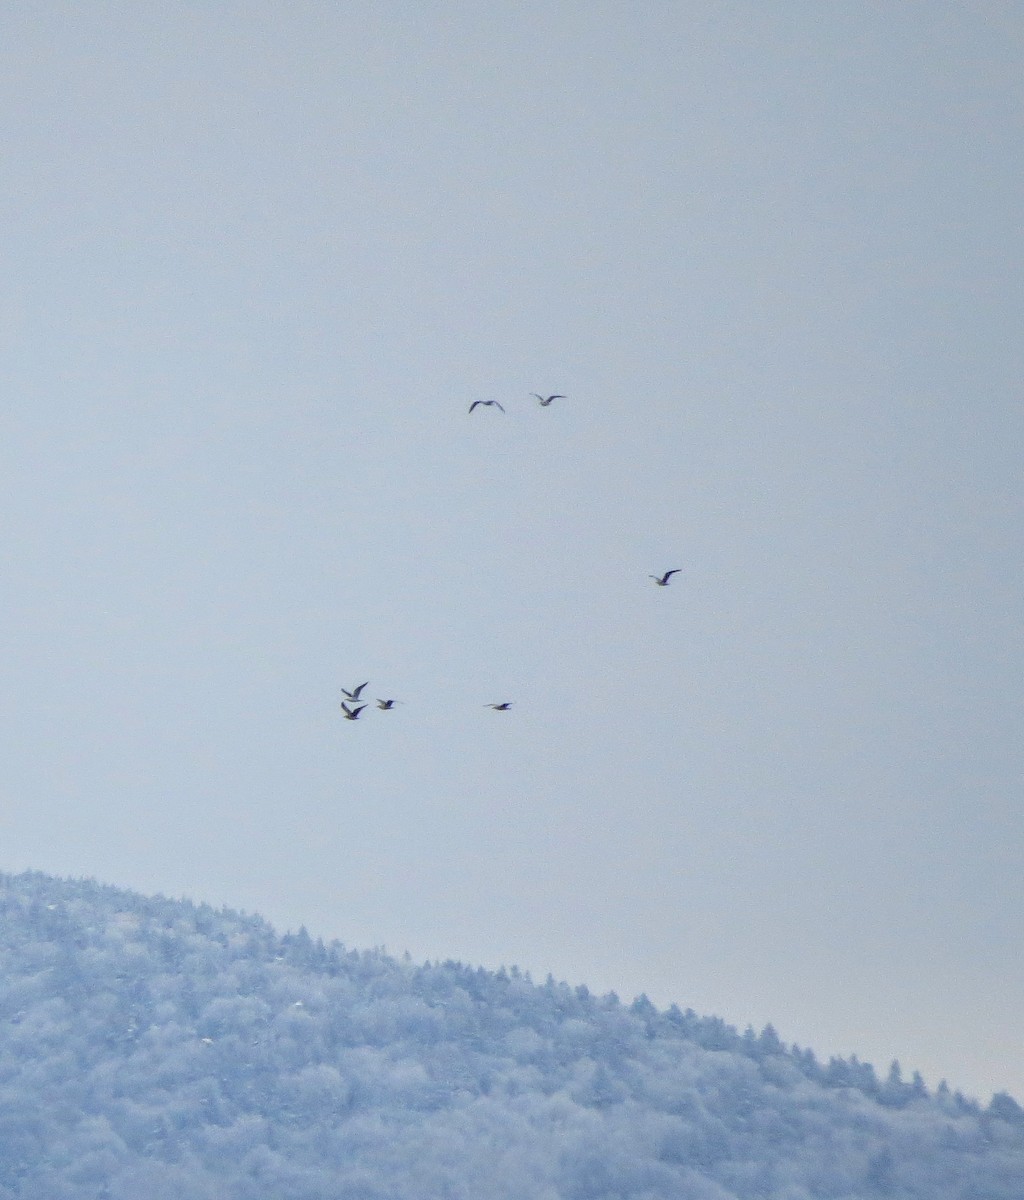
{"x": 351, "y": 706}
{"x": 544, "y": 401}
{"x": 352, "y": 714}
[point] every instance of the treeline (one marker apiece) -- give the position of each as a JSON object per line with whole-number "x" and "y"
{"x": 152, "y": 1047}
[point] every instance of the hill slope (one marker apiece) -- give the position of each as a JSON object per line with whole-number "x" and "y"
{"x": 154, "y": 1048}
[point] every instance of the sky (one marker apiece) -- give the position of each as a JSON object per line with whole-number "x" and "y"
{"x": 259, "y": 259}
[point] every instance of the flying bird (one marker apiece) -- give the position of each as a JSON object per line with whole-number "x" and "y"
{"x": 662, "y": 580}
{"x": 487, "y": 403}
{"x": 352, "y": 714}
{"x": 500, "y": 707}
{"x": 546, "y": 400}
{"x": 386, "y": 704}
{"x": 354, "y": 695}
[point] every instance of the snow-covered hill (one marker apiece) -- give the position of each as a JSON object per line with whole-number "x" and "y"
{"x": 152, "y": 1048}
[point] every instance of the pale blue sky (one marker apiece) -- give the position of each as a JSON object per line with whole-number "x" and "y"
{"x": 259, "y": 259}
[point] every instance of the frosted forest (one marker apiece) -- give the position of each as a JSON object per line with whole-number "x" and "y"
{"x": 156, "y": 1048}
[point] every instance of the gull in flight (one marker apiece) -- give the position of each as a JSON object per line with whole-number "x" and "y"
{"x": 662, "y": 580}
{"x": 546, "y": 400}
{"x": 352, "y": 714}
{"x": 500, "y": 707}
{"x": 386, "y": 704}
{"x": 354, "y": 695}
{"x": 486, "y": 403}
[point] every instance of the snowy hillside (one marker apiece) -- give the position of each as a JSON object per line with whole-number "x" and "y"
{"x": 154, "y": 1048}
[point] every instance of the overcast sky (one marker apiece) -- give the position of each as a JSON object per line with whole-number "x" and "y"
{"x": 258, "y": 260}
